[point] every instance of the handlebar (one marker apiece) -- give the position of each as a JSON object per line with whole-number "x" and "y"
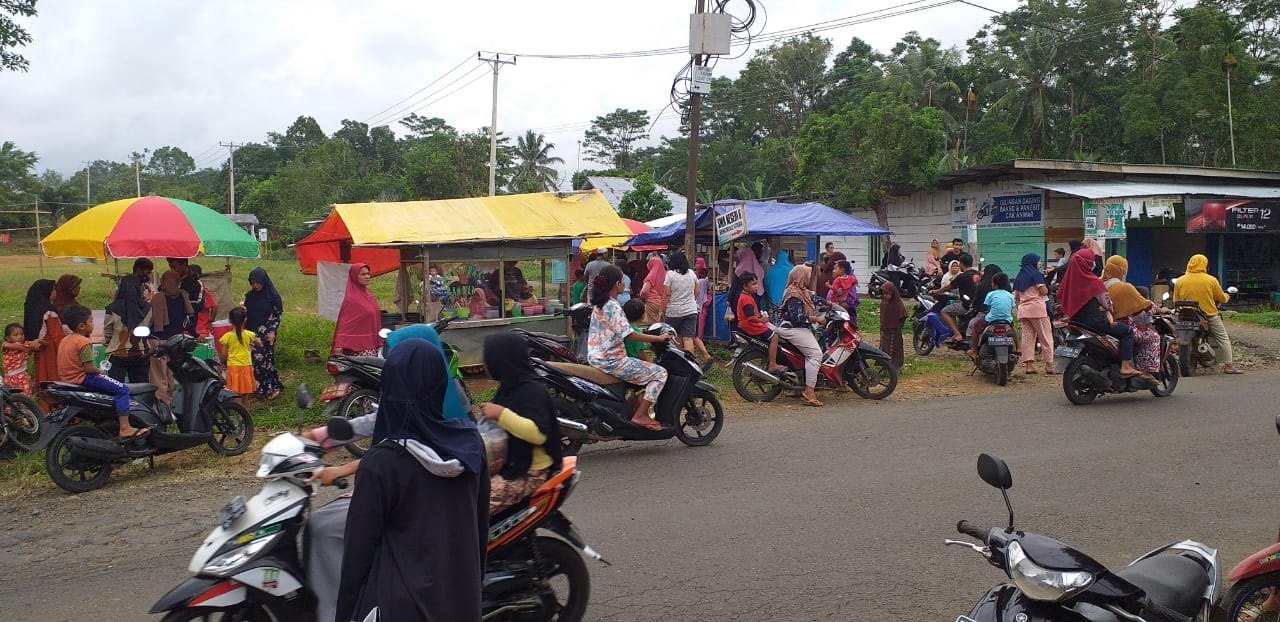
{"x": 973, "y": 531}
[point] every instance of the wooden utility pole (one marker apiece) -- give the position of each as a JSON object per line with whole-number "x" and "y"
{"x": 39, "y": 251}
{"x": 496, "y": 62}
{"x": 231, "y": 175}
{"x": 695, "y": 129}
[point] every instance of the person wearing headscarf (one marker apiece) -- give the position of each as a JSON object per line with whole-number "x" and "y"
{"x": 893, "y": 313}
{"x": 748, "y": 261}
{"x": 417, "y": 525}
{"x": 892, "y": 257}
{"x": 522, "y": 407}
{"x": 41, "y": 322}
{"x": 1098, "y": 254}
{"x": 626, "y": 281}
{"x": 1200, "y": 286}
{"x": 796, "y": 314}
{"x": 170, "y": 312}
{"x": 1134, "y": 310}
{"x": 653, "y": 290}
{"x": 130, "y": 308}
{"x": 264, "y": 308}
{"x": 360, "y": 318}
{"x": 953, "y": 270}
{"x": 1083, "y": 299}
{"x": 1032, "y": 296}
{"x": 455, "y": 405}
{"x": 932, "y": 259}
{"x": 66, "y": 292}
{"x": 827, "y": 274}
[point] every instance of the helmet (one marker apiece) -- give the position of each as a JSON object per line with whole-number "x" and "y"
{"x": 662, "y": 329}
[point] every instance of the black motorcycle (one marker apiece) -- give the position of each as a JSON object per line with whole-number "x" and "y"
{"x": 593, "y": 406}
{"x": 1194, "y": 349}
{"x": 909, "y": 280}
{"x": 85, "y": 447}
{"x": 552, "y": 347}
{"x": 996, "y": 354}
{"x": 1090, "y": 364}
{"x": 1053, "y": 582}
{"x": 21, "y": 421}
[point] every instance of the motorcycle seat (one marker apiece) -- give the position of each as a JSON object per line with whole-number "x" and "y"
{"x": 562, "y": 339}
{"x": 1173, "y": 581}
{"x": 141, "y": 388}
{"x": 373, "y": 361}
{"x": 585, "y": 372}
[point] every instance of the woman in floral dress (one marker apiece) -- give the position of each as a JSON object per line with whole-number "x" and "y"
{"x": 605, "y": 351}
{"x": 264, "y": 307}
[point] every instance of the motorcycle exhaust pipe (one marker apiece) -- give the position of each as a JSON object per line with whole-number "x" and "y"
{"x": 756, "y": 372}
{"x": 573, "y": 429}
{"x": 517, "y": 607}
{"x": 1097, "y": 379}
{"x": 95, "y": 448}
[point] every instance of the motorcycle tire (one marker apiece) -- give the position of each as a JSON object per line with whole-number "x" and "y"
{"x": 557, "y": 558}
{"x": 232, "y": 428}
{"x": 874, "y": 289}
{"x": 1188, "y": 362}
{"x": 1002, "y": 374}
{"x": 1072, "y": 386}
{"x": 1252, "y": 591}
{"x": 922, "y": 340}
{"x": 24, "y": 421}
{"x": 73, "y": 475}
{"x": 701, "y": 419}
{"x": 358, "y": 403}
{"x": 743, "y": 381}
{"x": 1165, "y": 387}
{"x": 860, "y": 372}
{"x": 245, "y": 612}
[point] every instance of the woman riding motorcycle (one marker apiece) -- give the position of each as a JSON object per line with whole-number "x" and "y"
{"x": 798, "y": 313}
{"x": 1084, "y": 300}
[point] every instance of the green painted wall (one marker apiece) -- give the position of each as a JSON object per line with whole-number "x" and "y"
{"x": 1005, "y": 246}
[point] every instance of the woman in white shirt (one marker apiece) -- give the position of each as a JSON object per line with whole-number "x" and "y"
{"x": 682, "y": 304}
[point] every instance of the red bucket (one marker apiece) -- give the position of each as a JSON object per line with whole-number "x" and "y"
{"x": 218, "y": 329}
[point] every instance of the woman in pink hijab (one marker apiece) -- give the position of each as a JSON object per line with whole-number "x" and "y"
{"x": 360, "y": 318}
{"x": 748, "y": 262}
{"x": 654, "y": 288}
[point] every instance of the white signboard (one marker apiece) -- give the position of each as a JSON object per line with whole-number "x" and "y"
{"x": 731, "y": 222}
{"x": 701, "y": 82}
{"x": 262, "y": 235}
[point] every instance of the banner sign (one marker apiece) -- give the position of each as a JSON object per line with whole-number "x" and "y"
{"x": 1104, "y": 219}
{"x": 1233, "y": 215}
{"x": 1015, "y": 209}
{"x": 731, "y": 222}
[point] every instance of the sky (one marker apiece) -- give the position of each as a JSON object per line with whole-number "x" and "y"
{"x": 110, "y": 77}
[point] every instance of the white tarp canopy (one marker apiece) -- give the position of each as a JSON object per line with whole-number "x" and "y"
{"x": 1123, "y": 188}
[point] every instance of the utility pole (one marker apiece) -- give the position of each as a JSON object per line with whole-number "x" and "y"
{"x": 496, "y": 62}
{"x": 231, "y": 175}
{"x": 137, "y": 170}
{"x": 88, "y": 197}
{"x": 695, "y": 130}
{"x": 1229, "y": 63}
{"x": 39, "y": 251}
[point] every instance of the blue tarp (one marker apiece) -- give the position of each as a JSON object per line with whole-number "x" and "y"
{"x": 769, "y": 218}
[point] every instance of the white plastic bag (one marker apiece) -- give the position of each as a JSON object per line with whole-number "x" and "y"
{"x": 495, "y": 444}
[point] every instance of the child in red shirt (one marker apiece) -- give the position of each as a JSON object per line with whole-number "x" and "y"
{"x": 16, "y": 352}
{"x": 754, "y": 322}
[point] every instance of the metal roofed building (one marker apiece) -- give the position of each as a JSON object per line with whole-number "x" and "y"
{"x": 614, "y": 187}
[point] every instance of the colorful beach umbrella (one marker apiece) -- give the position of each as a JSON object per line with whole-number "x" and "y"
{"x": 149, "y": 227}
{"x": 620, "y": 242}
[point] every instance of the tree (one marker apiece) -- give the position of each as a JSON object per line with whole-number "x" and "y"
{"x": 18, "y": 182}
{"x": 12, "y": 35}
{"x": 611, "y": 136}
{"x": 644, "y": 202}
{"x": 170, "y": 162}
{"x": 301, "y": 137}
{"x": 534, "y": 166}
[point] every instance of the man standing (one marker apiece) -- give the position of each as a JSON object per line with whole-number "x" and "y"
{"x": 597, "y": 263}
{"x": 953, "y": 253}
{"x": 1200, "y": 286}
{"x": 191, "y": 284}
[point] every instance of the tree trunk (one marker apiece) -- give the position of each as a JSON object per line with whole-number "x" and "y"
{"x": 882, "y": 218}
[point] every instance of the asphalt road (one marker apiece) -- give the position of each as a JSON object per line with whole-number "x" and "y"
{"x": 793, "y": 514}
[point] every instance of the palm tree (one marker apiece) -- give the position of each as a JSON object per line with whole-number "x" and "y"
{"x": 534, "y": 169}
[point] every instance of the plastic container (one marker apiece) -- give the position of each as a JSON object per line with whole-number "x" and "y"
{"x": 491, "y": 314}
{"x": 217, "y": 330}
{"x": 462, "y": 313}
{"x": 533, "y": 310}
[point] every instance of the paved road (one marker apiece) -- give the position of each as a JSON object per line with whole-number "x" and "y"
{"x": 816, "y": 515}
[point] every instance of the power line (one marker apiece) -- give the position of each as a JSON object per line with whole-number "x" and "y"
{"x": 415, "y": 93}
{"x": 403, "y": 111}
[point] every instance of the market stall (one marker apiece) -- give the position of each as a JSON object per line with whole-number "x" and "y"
{"x": 481, "y": 250}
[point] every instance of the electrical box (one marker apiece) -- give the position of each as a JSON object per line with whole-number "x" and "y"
{"x": 709, "y": 33}
{"x": 700, "y": 80}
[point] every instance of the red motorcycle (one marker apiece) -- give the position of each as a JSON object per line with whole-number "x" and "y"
{"x": 1255, "y": 591}
{"x": 847, "y": 360}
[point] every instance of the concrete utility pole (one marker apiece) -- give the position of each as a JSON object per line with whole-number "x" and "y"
{"x": 496, "y": 62}
{"x": 88, "y": 196}
{"x": 695, "y": 129}
{"x": 231, "y": 175}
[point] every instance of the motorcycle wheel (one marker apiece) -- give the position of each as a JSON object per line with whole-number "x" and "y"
{"x": 873, "y": 289}
{"x": 232, "y": 428}
{"x": 23, "y": 419}
{"x": 700, "y": 421}
{"x": 872, "y": 378}
{"x": 749, "y": 387}
{"x": 71, "y": 474}
{"x": 560, "y": 565}
{"x": 1251, "y": 592}
{"x": 1074, "y": 385}
{"x": 247, "y": 613}
{"x": 1164, "y": 388}
{"x": 563, "y": 408}
{"x": 1002, "y": 374}
{"x": 1188, "y": 362}
{"x": 922, "y": 340}
{"x": 358, "y": 403}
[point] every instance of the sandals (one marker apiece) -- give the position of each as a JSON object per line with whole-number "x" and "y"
{"x": 1031, "y": 371}
{"x": 138, "y": 433}
{"x": 809, "y": 401}
{"x": 1232, "y": 370}
{"x": 649, "y": 424}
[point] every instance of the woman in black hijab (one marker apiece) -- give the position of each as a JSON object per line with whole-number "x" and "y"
{"x": 40, "y": 321}
{"x": 523, "y": 408}
{"x": 418, "y": 523}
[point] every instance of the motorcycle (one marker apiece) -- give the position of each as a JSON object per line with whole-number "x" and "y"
{"x": 1053, "y": 582}
{"x": 909, "y": 280}
{"x": 847, "y": 360}
{"x": 22, "y": 421}
{"x": 81, "y": 454}
{"x": 1255, "y": 588}
{"x": 1090, "y": 364}
{"x": 933, "y": 332}
{"x": 550, "y": 347}
{"x": 251, "y": 566}
{"x": 1194, "y": 349}
{"x": 593, "y": 406}
{"x": 996, "y": 355}
{"x": 922, "y": 340}
{"x": 357, "y": 381}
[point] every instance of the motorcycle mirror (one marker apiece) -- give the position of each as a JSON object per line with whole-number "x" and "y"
{"x": 384, "y": 332}
{"x": 303, "y": 399}
{"x": 340, "y": 430}
{"x": 1173, "y": 281}
{"x": 1165, "y": 296}
{"x": 996, "y": 473}
{"x": 1233, "y": 290}
{"x": 141, "y": 331}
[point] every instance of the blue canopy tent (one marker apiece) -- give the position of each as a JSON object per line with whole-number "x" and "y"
{"x": 764, "y": 219}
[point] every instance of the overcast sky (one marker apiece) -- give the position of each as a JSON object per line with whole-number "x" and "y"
{"x": 109, "y": 77}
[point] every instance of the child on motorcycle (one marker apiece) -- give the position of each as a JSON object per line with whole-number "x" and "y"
{"x": 634, "y": 310}
{"x": 75, "y": 365}
{"x": 844, "y": 289}
{"x": 752, "y": 322}
{"x": 605, "y": 350}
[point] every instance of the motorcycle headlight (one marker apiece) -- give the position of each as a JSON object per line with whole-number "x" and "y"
{"x": 1041, "y": 583}
{"x": 228, "y": 562}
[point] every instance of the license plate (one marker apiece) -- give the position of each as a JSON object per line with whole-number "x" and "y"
{"x": 1000, "y": 341}
{"x": 335, "y": 392}
{"x": 1188, "y": 325}
{"x": 227, "y": 515}
{"x": 1068, "y": 352}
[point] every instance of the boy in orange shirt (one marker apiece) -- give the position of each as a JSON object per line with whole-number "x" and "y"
{"x": 75, "y": 365}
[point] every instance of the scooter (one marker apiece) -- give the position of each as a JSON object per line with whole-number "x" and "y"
{"x": 593, "y": 406}
{"x": 1194, "y": 349}
{"x": 81, "y": 454}
{"x": 1255, "y": 589}
{"x": 1090, "y": 364}
{"x": 252, "y": 566}
{"x": 922, "y": 340}
{"x": 1053, "y": 582}
{"x": 551, "y": 347}
{"x": 848, "y": 360}
{"x": 996, "y": 356}
{"x": 909, "y": 280}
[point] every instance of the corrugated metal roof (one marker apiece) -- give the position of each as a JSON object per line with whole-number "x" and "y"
{"x": 1120, "y": 189}
{"x": 614, "y": 187}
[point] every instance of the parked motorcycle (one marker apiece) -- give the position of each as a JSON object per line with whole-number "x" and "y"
{"x": 593, "y": 406}
{"x": 848, "y": 360}
{"x": 1255, "y": 589}
{"x": 81, "y": 454}
{"x": 21, "y": 421}
{"x": 996, "y": 354}
{"x": 1194, "y": 349}
{"x": 252, "y": 566}
{"x": 1090, "y": 365}
{"x": 922, "y": 340}
{"x": 1053, "y": 582}
{"x": 909, "y": 280}
{"x": 551, "y": 347}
